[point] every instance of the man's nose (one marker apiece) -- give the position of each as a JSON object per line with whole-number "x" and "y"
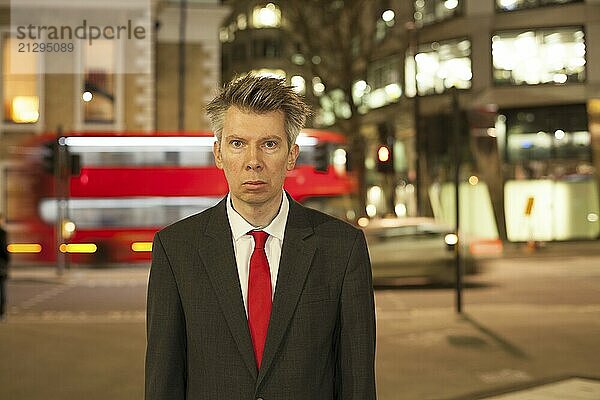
{"x": 254, "y": 160}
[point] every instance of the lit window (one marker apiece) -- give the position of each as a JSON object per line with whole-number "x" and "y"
{"x": 439, "y": 66}
{"x": 299, "y": 84}
{"x": 554, "y": 132}
{"x": 242, "y": 22}
{"x": 511, "y": 5}
{"x": 430, "y": 11}
{"x": 383, "y": 77}
{"x": 539, "y": 56}
{"x": 224, "y": 35}
{"x": 19, "y": 90}
{"x": 275, "y": 73}
{"x": 268, "y": 16}
{"x": 318, "y": 86}
{"x": 99, "y": 83}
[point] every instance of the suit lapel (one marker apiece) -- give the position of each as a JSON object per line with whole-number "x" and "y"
{"x": 299, "y": 247}
{"x": 217, "y": 253}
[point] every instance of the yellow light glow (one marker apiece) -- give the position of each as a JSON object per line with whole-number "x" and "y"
{"x": 24, "y": 248}
{"x": 363, "y": 221}
{"x": 268, "y": 16}
{"x": 388, "y": 15}
{"x": 78, "y": 248}
{"x": 269, "y": 72}
{"x": 25, "y": 109}
{"x": 141, "y": 246}
{"x": 69, "y": 226}
{"x": 451, "y": 239}
{"x": 400, "y": 210}
{"x": 473, "y": 180}
{"x": 371, "y": 210}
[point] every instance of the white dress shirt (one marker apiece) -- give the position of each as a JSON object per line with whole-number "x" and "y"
{"x": 243, "y": 244}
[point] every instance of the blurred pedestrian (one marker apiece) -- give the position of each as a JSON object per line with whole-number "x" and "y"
{"x": 4, "y": 258}
{"x": 259, "y": 296}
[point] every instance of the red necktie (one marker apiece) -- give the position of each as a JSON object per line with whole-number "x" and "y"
{"x": 259, "y": 294}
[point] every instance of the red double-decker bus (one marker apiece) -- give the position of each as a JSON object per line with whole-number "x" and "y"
{"x": 129, "y": 186}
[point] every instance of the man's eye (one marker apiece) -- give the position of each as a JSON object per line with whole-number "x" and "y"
{"x": 236, "y": 143}
{"x": 270, "y": 144}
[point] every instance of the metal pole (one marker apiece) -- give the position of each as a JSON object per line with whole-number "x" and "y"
{"x": 456, "y": 124}
{"x": 59, "y": 174}
{"x": 414, "y": 43}
{"x": 182, "y": 37}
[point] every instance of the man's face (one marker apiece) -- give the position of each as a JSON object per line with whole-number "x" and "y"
{"x": 254, "y": 154}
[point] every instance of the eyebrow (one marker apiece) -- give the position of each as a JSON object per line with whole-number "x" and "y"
{"x": 233, "y": 136}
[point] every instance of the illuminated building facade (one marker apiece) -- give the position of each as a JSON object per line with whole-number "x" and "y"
{"x": 528, "y": 77}
{"x": 527, "y": 81}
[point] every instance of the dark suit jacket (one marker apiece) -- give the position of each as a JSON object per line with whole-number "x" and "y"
{"x": 321, "y": 339}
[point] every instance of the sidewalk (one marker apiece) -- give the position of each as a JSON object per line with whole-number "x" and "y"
{"x": 552, "y": 249}
{"x": 499, "y": 352}
{"x": 78, "y": 275}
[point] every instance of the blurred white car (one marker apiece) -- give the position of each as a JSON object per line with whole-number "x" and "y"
{"x": 418, "y": 248}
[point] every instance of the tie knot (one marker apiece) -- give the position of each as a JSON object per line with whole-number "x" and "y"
{"x": 260, "y": 238}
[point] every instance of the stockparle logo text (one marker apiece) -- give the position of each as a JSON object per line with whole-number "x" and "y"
{"x": 83, "y": 31}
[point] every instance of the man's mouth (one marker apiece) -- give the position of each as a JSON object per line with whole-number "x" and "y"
{"x": 254, "y": 183}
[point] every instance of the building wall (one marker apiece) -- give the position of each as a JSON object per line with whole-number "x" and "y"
{"x": 202, "y": 65}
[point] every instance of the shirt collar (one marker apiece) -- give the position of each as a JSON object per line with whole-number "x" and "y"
{"x": 240, "y": 227}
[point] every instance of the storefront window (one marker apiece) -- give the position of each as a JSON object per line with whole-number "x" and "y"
{"x": 511, "y": 5}
{"x": 430, "y": 11}
{"x": 539, "y": 56}
{"x": 440, "y": 66}
{"x": 20, "y": 90}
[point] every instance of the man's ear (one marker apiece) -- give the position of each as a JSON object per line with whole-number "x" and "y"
{"x": 217, "y": 154}
{"x": 292, "y": 157}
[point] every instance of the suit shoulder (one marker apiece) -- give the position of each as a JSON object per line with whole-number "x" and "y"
{"x": 326, "y": 223}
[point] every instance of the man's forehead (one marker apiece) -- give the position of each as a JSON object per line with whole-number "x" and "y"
{"x": 248, "y": 123}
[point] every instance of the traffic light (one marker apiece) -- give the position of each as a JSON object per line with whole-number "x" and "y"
{"x": 385, "y": 151}
{"x": 385, "y": 158}
{"x": 50, "y": 157}
{"x": 321, "y": 157}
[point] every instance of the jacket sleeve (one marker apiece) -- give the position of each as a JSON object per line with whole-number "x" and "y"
{"x": 356, "y": 352}
{"x": 166, "y": 368}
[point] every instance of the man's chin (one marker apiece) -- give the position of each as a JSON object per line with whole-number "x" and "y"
{"x": 256, "y": 197}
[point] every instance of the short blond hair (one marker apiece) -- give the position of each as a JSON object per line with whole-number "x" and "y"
{"x": 260, "y": 94}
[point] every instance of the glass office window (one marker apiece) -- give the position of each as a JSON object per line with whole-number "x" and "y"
{"x": 267, "y": 16}
{"x": 512, "y": 5}
{"x": 557, "y": 132}
{"x": 533, "y": 57}
{"x": 430, "y": 11}
{"x": 382, "y": 86}
{"x": 440, "y": 66}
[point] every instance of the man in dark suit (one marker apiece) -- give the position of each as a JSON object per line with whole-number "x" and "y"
{"x": 259, "y": 297}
